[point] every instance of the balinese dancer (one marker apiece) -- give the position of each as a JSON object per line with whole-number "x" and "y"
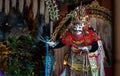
{"x": 86, "y": 55}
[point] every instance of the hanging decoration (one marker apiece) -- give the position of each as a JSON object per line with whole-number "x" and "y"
{"x": 53, "y": 10}
{"x": 28, "y": 2}
{"x": 21, "y": 5}
{"x": 1, "y": 2}
{"x": 13, "y": 3}
{"x": 7, "y": 6}
{"x": 42, "y": 7}
{"x": 50, "y": 4}
{"x": 35, "y": 8}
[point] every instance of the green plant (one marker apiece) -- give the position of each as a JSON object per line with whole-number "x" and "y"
{"x": 20, "y": 57}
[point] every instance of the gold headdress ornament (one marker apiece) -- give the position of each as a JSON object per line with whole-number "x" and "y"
{"x": 80, "y": 15}
{"x": 80, "y": 11}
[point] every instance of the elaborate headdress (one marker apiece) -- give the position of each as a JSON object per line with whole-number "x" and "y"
{"x": 80, "y": 14}
{"x": 83, "y": 14}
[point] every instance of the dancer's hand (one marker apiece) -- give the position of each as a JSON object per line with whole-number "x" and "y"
{"x": 85, "y": 48}
{"x": 51, "y": 43}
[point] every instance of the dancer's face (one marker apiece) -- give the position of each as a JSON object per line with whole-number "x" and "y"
{"x": 79, "y": 27}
